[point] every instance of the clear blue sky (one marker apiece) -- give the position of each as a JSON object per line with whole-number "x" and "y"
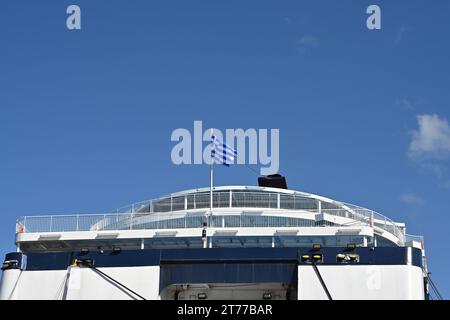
{"x": 86, "y": 116}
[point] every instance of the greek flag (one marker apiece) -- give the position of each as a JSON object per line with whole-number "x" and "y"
{"x": 221, "y": 153}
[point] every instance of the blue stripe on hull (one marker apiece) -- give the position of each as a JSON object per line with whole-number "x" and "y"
{"x": 154, "y": 257}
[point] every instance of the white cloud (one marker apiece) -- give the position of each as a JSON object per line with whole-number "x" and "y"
{"x": 400, "y": 33}
{"x": 432, "y": 139}
{"x": 308, "y": 41}
{"x": 404, "y": 104}
{"x": 412, "y": 199}
{"x": 305, "y": 43}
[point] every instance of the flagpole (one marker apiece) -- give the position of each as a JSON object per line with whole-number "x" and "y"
{"x": 207, "y": 215}
{"x": 211, "y": 182}
{"x": 211, "y": 187}
{"x": 211, "y": 177}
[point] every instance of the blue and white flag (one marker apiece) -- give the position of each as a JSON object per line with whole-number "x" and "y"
{"x": 221, "y": 153}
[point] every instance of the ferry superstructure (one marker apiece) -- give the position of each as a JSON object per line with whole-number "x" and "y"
{"x": 256, "y": 243}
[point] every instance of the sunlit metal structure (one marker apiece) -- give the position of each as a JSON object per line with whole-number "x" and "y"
{"x": 289, "y": 238}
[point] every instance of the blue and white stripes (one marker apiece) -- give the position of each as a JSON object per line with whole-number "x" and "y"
{"x": 221, "y": 153}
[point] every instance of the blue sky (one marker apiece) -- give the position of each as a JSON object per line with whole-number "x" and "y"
{"x": 86, "y": 116}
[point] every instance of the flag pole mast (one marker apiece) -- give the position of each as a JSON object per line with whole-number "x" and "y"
{"x": 211, "y": 179}
{"x": 211, "y": 187}
{"x": 211, "y": 182}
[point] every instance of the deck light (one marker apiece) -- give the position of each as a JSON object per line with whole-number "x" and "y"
{"x": 316, "y": 246}
{"x": 117, "y": 249}
{"x": 202, "y": 296}
{"x": 354, "y": 257}
{"x": 351, "y": 246}
{"x": 312, "y": 258}
{"x": 84, "y": 250}
{"x": 267, "y": 296}
{"x": 347, "y": 258}
{"x": 6, "y": 265}
{"x": 83, "y": 262}
{"x": 340, "y": 257}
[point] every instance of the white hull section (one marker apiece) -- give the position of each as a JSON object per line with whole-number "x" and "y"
{"x": 392, "y": 282}
{"x": 362, "y": 283}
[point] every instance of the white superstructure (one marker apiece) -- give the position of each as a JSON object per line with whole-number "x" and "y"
{"x": 257, "y": 242}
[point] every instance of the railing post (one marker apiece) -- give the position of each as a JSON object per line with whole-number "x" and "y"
{"x": 278, "y": 200}
{"x": 78, "y": 224}
{"x": 25, "y": 224}
{"x": 51, "y": 223}
{"x": 131, "y": 221}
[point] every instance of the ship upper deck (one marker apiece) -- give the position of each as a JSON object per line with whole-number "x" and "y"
{"x": 238, "y": 211}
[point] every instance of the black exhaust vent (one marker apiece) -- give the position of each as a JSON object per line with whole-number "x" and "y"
{"x": 273, "y": 181}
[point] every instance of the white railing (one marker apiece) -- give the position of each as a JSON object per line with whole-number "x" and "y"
{"x": 376, "y": 219}
{"x": 175, "y": 212}
{"x": 144, "y": 221}
{"x": 410, "y": 237}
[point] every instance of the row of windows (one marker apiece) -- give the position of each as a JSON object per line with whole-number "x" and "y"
{"x": 221, "y": 199}
{"x": 241, "y": 221}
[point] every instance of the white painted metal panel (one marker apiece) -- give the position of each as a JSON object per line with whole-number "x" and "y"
{"x": 396, "y": 282}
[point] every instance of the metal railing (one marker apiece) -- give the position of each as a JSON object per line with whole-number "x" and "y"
{"x": 376, "y": 219}
{"x": 174, "y": 212}
{"x": 410, "y": 237}
{"x": 139, "y": 221}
